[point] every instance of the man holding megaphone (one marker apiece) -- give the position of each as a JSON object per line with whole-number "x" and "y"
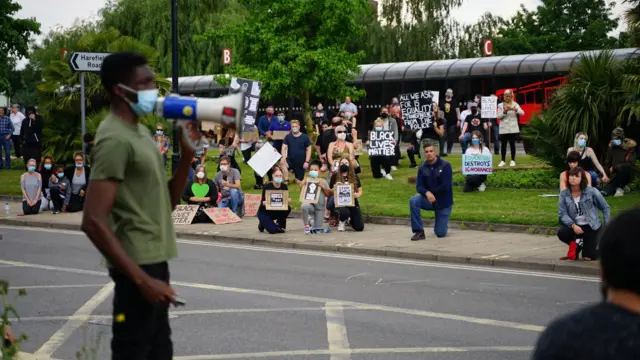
{"x": 129, "y": 202}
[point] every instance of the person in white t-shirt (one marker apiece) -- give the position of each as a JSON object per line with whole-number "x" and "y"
{"x": 476, "y": 182}
{"x": 16, "y": 118}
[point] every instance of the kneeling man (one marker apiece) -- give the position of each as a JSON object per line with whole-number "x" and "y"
{"x": 434, "y": 193}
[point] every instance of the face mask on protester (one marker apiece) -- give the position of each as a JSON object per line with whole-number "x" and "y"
{"x": 281, "y": 119}
{"x": 79, "y": 165}
{"x": 378, "y": 128}
{"x": 277, "y": 180}
{"x": 147, "y": 100}
{"x": 60, "y": 175}
{"x": 295, "y": 130}
{"x": 449, "y": 95}
{"x": 395, "y": 102}
{"x": 31, "y": 168}
{"x": 617, "y": 142}
{"x": 47, "y": 166}
{"x": 313, "y": 173}
{"x": 224, "y": 168}
{"x": 200, "y": 175}
{"x": 384, "y": 115}
{"x": 474, "y": 109}
{"x": 475, "y": 141}
{"x": 469, "y": 106}
{"x": 344, "y": 168}
{"x": 159, "y": 132}
{"x": 342, "y": 136}
{"x": 582, "y": 142}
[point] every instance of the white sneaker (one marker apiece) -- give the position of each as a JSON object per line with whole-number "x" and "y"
{"x": 388, "y": 177}
{"x": 619, "y": 192}
{"x": 512, "y": 163}
{"x": 307, "y": 229}
{"x": 482, "y": 187}
{"x": 341, "y": 225}
{"x": 394, "y": 168}
{"x": 384, "y": 173}
{"x": 502, "y": 163}
{"x": 627, "y": 189}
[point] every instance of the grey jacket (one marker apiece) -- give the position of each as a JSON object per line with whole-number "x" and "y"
{"x": 393, "y": 126}
{"x": 591, "y": 201}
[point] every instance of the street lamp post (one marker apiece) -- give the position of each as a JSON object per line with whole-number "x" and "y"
{"x": 175, "y": 157}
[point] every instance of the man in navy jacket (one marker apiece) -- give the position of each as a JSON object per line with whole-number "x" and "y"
{"x": 435, "y": 193}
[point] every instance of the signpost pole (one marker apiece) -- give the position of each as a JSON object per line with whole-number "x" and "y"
{"x": 175, "y": 157}
{"x": 83, "y": 111}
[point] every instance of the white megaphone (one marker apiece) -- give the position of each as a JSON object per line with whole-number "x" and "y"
{"x": 194, "y": 113}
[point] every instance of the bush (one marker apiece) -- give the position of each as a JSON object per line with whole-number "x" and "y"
{"x": 518, "y": 179}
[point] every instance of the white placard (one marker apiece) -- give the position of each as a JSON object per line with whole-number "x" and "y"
{"x": 489, "y": 107}
{"x": 264, "y": 159}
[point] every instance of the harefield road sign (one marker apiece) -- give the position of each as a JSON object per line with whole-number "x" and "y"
{"x": 86, "y": 61}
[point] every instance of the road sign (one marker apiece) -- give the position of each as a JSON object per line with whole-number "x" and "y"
{"x": 487, "y": 48}
{"x": 86, "y": 61}
{"x": 226, "y": 56}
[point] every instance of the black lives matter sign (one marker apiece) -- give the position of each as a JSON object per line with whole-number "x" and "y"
{"x": 381, "y": 143}
{"x": 417, "y": 109}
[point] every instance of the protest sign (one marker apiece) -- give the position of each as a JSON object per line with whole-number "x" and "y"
{"x": 221, "y": 216}
{"x": 417, "y": 109}
{"x": 264, "y": 159}
{"x": 343, "y": 195}
{"x": 477, "y": 164}
{"x": 310, "y": 192}
{"x": 184, "y": 214}
{"x": 489, "y": 107}
{"x": 277, "y": 200}
{"x": 252, "y": 90}
{"x": 279, "y": 134}
{"x": 251, "y": 204}
{"x": 381, "y": 143}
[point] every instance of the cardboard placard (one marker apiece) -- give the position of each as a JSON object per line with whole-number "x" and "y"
{"x": 343, "y": 195}
{"x": 310, "y": 193}
{"x": 221, "y": 216}
{"x": 477, "y": 164}
{"x": 489, "y": 107}
{"x": 381, "y": 143}
{"x": 277, "y": 200}
{"x": 279, "y": 134}
{"x": 264, "y": 159}
{"x": 417, "y": 109}
{"x": 184, "y": 214}
{"x": 251, "y": 204}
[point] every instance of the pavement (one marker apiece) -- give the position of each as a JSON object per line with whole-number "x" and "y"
{"x": 257, "y": 302}
{"x": 488, "y": 246}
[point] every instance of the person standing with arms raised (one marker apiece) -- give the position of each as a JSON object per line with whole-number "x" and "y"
{"x": 133, "y": 230}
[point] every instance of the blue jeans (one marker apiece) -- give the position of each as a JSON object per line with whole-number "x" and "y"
{"x": 6, "y": 145}
{"x": 595, "y": 181}
{"x": 420, "y": 202}
{"x": 234, "y": 200}
{"x": 466, "y": 139}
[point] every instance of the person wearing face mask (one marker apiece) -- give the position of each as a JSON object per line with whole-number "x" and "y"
{"x": 476, "y": 182}
{"x": 202, "y": 192}
{"x": 78, "y": 176}
{"x": 249, "y": 142}
{"x": 588, "y": 159}
{"x": 451, "y": 116}
{"x": 319, "y": 117}
{"x": 265, "y": 121}
{"x": 328, "y": 137}
{"x": 379, "y": 161}
{"x": 313, "y": 214}
{"x": 473, "y": 122}
{"x": 58, "y": 184}
{"x": 46, "y": 170}
{"x": 619, "y": 163}
{"x": 31, "y": 185}
{"x": 229, "y": 143}
{"x": 340, "y": 149}
{"x": 162, "y": 142}
{"x": 296, "y": 153}
{"x": 319, "y": 139}
{"x": 274, "y": 221}
{"x": 466, "y": 112}
{"x": 280, "y": 124}
{"x": 346, "y": 174}
{"x": 31, "y": 135}
{"x": 508, "y": 112}
{"x": 393, "y": 123}
{"x": 228, "y": 182}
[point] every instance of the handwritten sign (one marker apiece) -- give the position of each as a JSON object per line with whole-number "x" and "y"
{"x": 221, "y": 216}
{"x": 184, "y": 214}
{"x": 489, "y": 107}
{"x": 343, "y": 195}
{"x": 310, "y": 192}
{"x": 417, "y": 109}
{"x": 277, "y": 200}
{"x": 252, "y": 90}
{"x": 251, "y": 204}
{"x": 381, "y": 143}
{"x": 477, "y": 164}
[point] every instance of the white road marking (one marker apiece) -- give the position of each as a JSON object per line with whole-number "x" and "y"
{"x": 60, "y": 336}
{"x": 481, "y": 321}
{"x": 336, "y": 331}
{"x": 402, "y": 281}
{"x": 33, "y": 287}
{"x": 388, "y": 260}
{"x": 417, "y": 350}
{"x": 352, "y": 276}
{"x": 27, "y": 356}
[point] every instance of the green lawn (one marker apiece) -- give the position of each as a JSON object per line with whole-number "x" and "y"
{"x": 390, "y": 198}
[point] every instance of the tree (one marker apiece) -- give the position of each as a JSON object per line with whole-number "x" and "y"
{"x": 471, "y": 37}
{"x": 557, "y": 26}
{"x": 297, "y": 47}
{"x": 14, "y": 40}
{"x": 632, "y": 16}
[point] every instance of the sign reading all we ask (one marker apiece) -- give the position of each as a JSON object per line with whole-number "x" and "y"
{"x": 477, "y": 164}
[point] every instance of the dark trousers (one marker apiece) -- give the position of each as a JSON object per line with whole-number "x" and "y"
{"x": 621, "y": 178}
{"x": 31, "y": 210}
{"x": 412, "y": 154}
{"x": 56, "y": 198}
{"x": 589, "y": 240}
{"x": 144, "y": 333}
{"x": 472, "y": 182}
{"x": 495, "y": 137}
{"x": 345, "y": 213}
{"x": 378, "y": 162}
{"x": 395, "y": 160}
{"x": 273, "y": 221}
{"x": 452, "y": 136}
{"x": 246, "y": 155}
{"x": 31, "y": 152}
{"x": 511, "y": 139}
{"x": 17, "y": 145}
{"x": 76, "y": 203}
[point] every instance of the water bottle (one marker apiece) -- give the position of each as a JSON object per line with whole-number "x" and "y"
{"x": 7, "y": 209}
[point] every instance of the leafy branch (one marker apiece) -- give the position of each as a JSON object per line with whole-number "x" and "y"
{"x": 12, "y": 348}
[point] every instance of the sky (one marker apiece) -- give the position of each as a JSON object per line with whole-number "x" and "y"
{"x": 63, "y": 13}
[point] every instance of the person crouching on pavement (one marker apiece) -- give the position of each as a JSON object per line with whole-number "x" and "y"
{"x": 313, "y": 214}
{"x": 476, "y": 182}
{"x": 346, "y": 175}
{"x": 274, "y": 221}
{"x": 202, "y": 192}
{"x": 578, "y": 207}
{"x": 573, "y": 159}
{"x": 58, "y": 185}
{"x": 435, "y": 192}
{"x": 31, "y": 184}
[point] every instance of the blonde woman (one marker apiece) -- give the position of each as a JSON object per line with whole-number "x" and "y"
{"x": 31, "y": 185}
{"x": 588, "y": 159}
{"x": 508, "y": 113}
{"x": 340, "y": 149}
{"x": 380, "y": 161}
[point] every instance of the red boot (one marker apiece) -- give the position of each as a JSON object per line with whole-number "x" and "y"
{"x": 572, "y": 252}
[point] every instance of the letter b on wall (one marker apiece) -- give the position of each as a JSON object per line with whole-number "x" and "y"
{"x": 226, "y": 56}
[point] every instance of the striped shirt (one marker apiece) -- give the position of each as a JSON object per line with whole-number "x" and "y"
{"x": 6, "y": 126}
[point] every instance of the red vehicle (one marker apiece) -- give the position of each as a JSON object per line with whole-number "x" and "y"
{"x": 534, "y": 97}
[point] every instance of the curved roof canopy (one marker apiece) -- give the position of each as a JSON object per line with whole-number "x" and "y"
{"x": 443, "y": 69}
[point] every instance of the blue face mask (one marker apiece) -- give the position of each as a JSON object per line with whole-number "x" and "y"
{"x": 582, "y": 143}
{"x": 60, "y": 175}
{"x": 79, "y": 165}
{"x": 277, "y": 180}
{"x": 378, "y": 128}
{"x": 31, "y": 168}
{"x": 617, "y": 142}
{"x": 281, "y": 119}
{"x": 47, "y": 166}
{"x": 475, "y": 141}
{"x": 159, "y": 132}
{"x": 313, "y": 173}
{"x": 147, "y": 100}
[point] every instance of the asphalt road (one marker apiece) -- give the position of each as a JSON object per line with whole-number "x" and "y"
{"x": 252, "y": 302}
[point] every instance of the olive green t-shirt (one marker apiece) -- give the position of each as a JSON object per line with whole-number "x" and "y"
{"x": 141, "y": 214}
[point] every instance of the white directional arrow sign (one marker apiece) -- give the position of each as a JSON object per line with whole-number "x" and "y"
{"x": 86, "y": 61}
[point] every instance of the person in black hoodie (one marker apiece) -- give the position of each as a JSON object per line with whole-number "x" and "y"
{"x": 31, "y": 135}
{"x": 202, "y": 192}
